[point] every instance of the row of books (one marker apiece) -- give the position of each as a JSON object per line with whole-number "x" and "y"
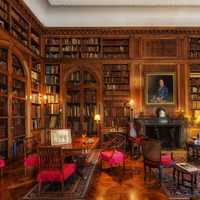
{"x": 52, "y": 55}
{"x": 35, "y": 85}
{"x": 194, "y": 54}
{"x": 52, "y": 89}
{"x": 52, "y": 69}
{"x": 89, "y": 110}
{"x": 87, "y": 77}
{"x": 90, "y": 96}
{"x": 53, "y": 109}
{"x": 195, "y": 81}
{"x": 35, "y": 75}
{"x": 116, "y": 80}
{"x": 3, "y": 106}
{"x": 4, "y": 5}
{"x": 51, "y": 80}
{"x": 18, "y": 107}
{"x": 53, "y": 48}
{"x": 36, "y": 124}
{"x": 52, "y": 41}
{"x": 36, "y": 111}
{"x": 115, "y": 67}
{"x": 75, "y": 76}
{"x": 53, "y": 98}
{"x": 74, "y": 98}
{"x": 73, "y": 111}
{"x": 195, "y": 104}
{"x": 36, "y": 98}
{"x": 113, "y": 73}
{"x": 116, "y": 87}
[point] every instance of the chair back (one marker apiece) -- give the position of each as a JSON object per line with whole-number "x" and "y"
{"x": 30, "y": 145}
{"x": 151, "y": 150}
{"x": 50, "y": 157}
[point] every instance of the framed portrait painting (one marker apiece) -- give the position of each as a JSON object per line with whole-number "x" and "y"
{"x": 160, "y": 88}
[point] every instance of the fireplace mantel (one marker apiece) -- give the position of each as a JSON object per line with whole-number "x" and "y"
{"x": 174, "y": 129}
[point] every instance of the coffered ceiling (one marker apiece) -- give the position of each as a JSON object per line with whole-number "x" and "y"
{"x": 115, "y": 13}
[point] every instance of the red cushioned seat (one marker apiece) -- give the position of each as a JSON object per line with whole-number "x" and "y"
{"x": 166, "y": 160}
{"x": 2, "y": 163}
{"x": 56, "y": 175}
{"x": 31, "y": 160}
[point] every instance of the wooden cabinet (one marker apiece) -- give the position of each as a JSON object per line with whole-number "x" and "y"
{"x": 12, "y": 105}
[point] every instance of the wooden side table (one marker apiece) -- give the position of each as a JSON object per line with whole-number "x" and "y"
{"x": 182, "y": 169}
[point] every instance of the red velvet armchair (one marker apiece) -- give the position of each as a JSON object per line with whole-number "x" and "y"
{"x": 31, "y": 158}
{"x": 113, "y": 151}
{"x": 52, "y": 167}
{"x": 153, "y": 158}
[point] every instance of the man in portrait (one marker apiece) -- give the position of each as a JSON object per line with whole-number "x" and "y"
{"x": 162, "y": 94}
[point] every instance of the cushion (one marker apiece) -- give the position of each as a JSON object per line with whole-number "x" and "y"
{"x": 113, "y": 157}
{"x": 2, "y": 163}
{"x": 31, "y": 160}
{"x": 166, "y": 160}
{"x": 54, "y": 175}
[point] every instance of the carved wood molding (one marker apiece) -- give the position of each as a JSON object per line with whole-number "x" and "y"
{"x": 126, "y": 31}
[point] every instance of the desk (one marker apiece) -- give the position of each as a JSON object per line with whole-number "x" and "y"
{"x": 193, "y": 151}
{"x": 81, "y": 144}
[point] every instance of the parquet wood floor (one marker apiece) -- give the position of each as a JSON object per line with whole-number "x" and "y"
{"x": 110, "y": 184}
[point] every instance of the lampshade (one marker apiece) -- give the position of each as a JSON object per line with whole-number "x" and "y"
{"x": 97, "y": 117}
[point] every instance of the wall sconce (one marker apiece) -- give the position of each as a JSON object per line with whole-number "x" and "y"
{"x": 97, "y": 118}
{"x": 45, "y": 98}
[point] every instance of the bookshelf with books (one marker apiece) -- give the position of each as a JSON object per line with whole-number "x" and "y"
{"x": 117, "y": 48}
{"x": 4, "y": 15}
{"x": 194, "y": 89}
{"x": 81, "y": 102}
{"x": 36, "y": 95}
{"x": 194, "y": 47}
{"x": 116, "y": 94}
{"x": 18, "y": 106}
{"x": 19, "y": 27}
{"x": 35, "y": 41}
{"x": 52, "y": 91}
{"x": 52, "y": 48}
{"x": 4, "y": 102}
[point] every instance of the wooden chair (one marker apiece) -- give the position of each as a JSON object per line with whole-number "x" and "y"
{"x": 154, "y": 159}
{"x": 52, "y": 167}
{"x": 2, "y": 165}
{"x": 114, "y": 151}
{"x": 31, "y": 159}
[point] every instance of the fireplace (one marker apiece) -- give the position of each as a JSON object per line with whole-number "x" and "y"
{"x": 172, "y": 133}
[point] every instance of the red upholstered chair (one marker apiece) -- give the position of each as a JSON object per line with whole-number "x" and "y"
{"x": 134, "y": 140}
{"x": 31, "y": 158}
{"x": 153, "y": 158}
{"x": 113, "y": 151}
{"x": 2, "y": 165}
{"x": 52, "y": 167}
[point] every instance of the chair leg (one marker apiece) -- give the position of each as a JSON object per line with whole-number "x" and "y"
{"x": 160, "y": 175}
{"x": 62, "y": 187}
{"x": 1, "y": 172}
{"x": 39, "y": 188}
{"x": 145, "y": 172}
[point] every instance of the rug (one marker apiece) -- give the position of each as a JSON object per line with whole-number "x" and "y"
{"x": 177, "y": 193}
{"x": 75, "y": 188}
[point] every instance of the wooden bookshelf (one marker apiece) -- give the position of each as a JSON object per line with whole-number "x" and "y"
{"x": 4, "y": 15}
{"x": 194, "y": 89}
{"x": 18, "y": 107}
{"x": 81, "y": 102}
{"x": 36, "y": 95}
{"x": 4, "y": 102}
{"x": 19, "y": 27}
{"x": 115, "y": 48}
{"x": 116, "y": 94}
{"x": 52, "y": 48}
{"x": 35, "y": 41}
{"x": 194, "y": 47}
{"x": 52, "y": 91}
